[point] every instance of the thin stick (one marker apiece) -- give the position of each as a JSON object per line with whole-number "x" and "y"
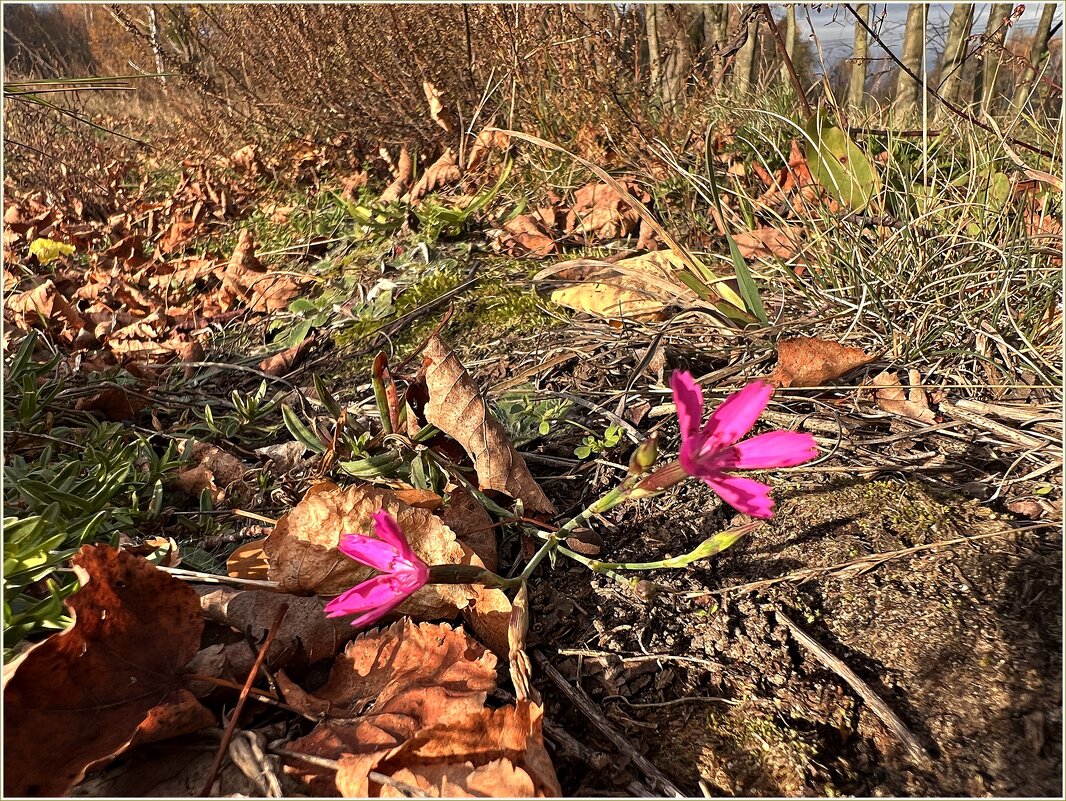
{"x": 787, "y": 59}
{"x": 211, "y": 578}
{"x": 872, "y": 699}
{"x": 596, "y": 717}
{"x": 254, "y": 516}
{"x": 265, "y": 697}
{"x": 245, "y": 692}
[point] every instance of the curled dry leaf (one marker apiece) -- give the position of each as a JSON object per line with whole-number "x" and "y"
{"x": 442, "y": 172}
{"x": 303, "y": 556}
{"x": 246, "y": 280}
{"x": 438, "y": 112}
{"x": 44, "y": 305}
{"x": 456, "y": 407}
{"x": 638, "y": 288}
{"x": 485, "y": 142}
{"x": 404, "y": 171}
{"x": 890, "y": 396}
{"x": 812, "y": 362}
{"x": 525, "y": 234}
{"x": 83, "y": 695}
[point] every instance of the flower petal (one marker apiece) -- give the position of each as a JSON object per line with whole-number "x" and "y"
{"x": 374, "y": 553}
{"x": 773, "y": 449}
{"x": 387, "y": 529}
{"x": 378, "y": 591}
{"x": 376, "y": 614}
{"x": 688, "y": 397}
{"x": 743, "y": 494}
{"x": 736, "y": 415}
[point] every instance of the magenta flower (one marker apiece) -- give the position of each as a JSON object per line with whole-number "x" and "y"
{"x": 402, "y": 572}
{"x": 710, "y": 451}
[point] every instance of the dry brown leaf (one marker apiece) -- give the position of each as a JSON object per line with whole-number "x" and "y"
{"x": 456, "y": 407}
{"x": 43, "y": 305}
{"x": 113, "y": 403}
{"x": 351, "y": 185}
{"x": 812, "y": 362}
{"x": 285, "y": 362}
{"x": 601, "y": 213}
{"x": 247, "y": 161}
{"x": 438, "y": 112}
{"x": 465, "y": 515}
{"x": 891, "y": 397}
{"x": 403, "y": 173}
{"x": 305, "y": 636}
{"x": 194, "y": 480}
{"x": 529, "y": 235}
{"x": 247, "y": 281}
{"x": 176, "y": 235}
{"x": 510, "y": 737}
{"x": 488, "y": 615}
{"x": 226, "y": 468}
{"x": 81, "y": 696}
{"x": 485, "y": 142}
{"x": 249, "y": 561}
{"x": 303, "y": 554}
{"x": 442, "y": 172}
{"x": 770, "y": 243}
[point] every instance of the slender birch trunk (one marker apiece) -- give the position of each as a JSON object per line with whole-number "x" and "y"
{"x": 789, "y": 34}
{"x": 860, "y": 52}
{"x": 906, "y": 101}
{"x": 651, "y": 22}
{"x": 995, "y": 36}
{"x": 1037, "y": 56}
{"x": 955, "y": 51}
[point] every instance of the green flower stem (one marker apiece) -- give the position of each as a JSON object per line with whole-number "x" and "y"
{"x": 471, "y": 574}
{"x": 608, "y": 501}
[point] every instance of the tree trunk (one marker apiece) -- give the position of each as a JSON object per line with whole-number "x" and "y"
{"x": 678, "y": 61}
{"x": 1037, "y": 53}
{"x": 744, "y": 66}
{"x": 995, "y": 36}
{"x": 157, "y": 48}
{"x": 651, "y": 21}
{"x": 719, "y": 32}
{"x": 789, "y": 34}
{"x": 860, "y": 52}
{"x": 955, "y": 51}
{"x": 906, "y": 101}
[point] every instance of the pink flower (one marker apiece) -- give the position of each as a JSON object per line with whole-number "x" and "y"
{"x": 402, "y": 572}
{"x": 710, "y": 451}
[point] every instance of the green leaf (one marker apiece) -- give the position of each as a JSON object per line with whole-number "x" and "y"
{"x": 840, "y": 165}
{"x": 299, "y": 431}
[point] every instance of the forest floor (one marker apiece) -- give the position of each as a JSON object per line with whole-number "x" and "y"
{"x": 895, "y": 630}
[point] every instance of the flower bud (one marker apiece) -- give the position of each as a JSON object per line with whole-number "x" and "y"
{"x": 662, "y": 479}
{"x": 644, "y": 456}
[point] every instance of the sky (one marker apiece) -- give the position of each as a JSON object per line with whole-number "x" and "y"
{"x": 835, "y": 25}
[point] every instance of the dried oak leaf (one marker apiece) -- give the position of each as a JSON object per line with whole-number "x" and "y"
{"x": 83, "y": 695}
{"x": 527, "y": 233}
{"x": 812, "y": 362}
{"x": 448, "y": 755}
{"x": 246, "y": 280}
{"x": 890, "y": 396}
{"x": 303, "y": 556}
{"x": 43, "y": 305}
{"x": 456, "y": 407}
{"x": 485, "y": 142}
{"x": 438, "y": 112}
{"x": 402, "y": 177}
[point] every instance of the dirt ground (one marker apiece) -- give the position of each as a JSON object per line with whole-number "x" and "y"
{"x": 961, "y": 641}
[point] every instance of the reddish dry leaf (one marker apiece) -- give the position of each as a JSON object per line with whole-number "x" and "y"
{"x": 438, "y": 112}
{"x": 177, "y": 234}
{"x": 44, "y": 305}
{"x": 456, "y": 407}
{"x": 812, "y": 362}
{"x": 249, "y": 561}
{"x": 247, "y": 281}
{"x": 285, "y": 362}
{"x": 488, "y": 615}
{"x": 303, "y": 554}
{"x": 226, "y": 468}
{"x": 82, "y": 695}
{"x": 247, "y": 161}
{"x": 352, "y": 184}
{"x": 468, "y": 519}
